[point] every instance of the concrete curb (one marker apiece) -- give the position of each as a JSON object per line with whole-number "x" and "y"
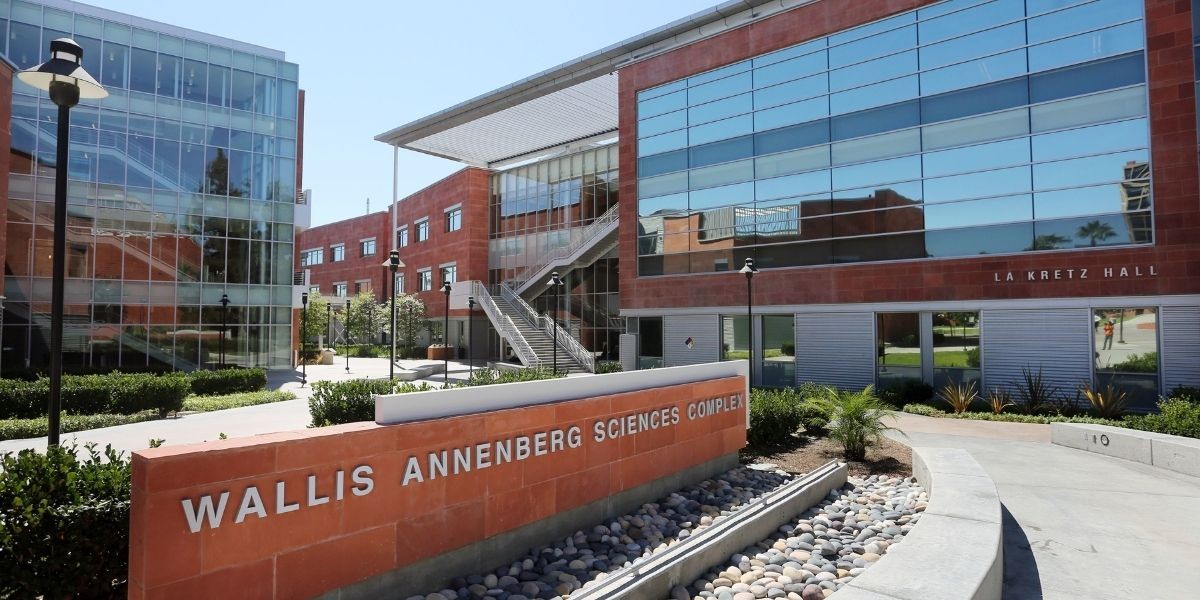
{"x": 684, "y": 562}
{"x": 1171, "y": 452}
{"x": 956, "y": 551}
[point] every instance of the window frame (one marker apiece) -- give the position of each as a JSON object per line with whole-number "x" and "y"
{"x": 363, "y": 246}
{"x": 337, "y": 252}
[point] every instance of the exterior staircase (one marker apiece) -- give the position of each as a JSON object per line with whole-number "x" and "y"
{"x": 587, "y": 245}
{"x": 530, "y": 334}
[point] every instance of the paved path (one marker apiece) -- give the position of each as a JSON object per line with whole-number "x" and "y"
{"x": 237, "y": 422}
{"x": 1077, "y": 524}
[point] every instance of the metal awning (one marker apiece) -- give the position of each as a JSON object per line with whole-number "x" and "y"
{"x": 574, "y": 101}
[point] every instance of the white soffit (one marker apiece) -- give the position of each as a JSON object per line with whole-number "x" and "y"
{"x": 583, "y": 110}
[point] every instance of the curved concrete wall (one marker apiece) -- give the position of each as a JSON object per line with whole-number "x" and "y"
{"x": 956, "y": 550}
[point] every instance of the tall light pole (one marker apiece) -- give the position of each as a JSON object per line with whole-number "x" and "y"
{"x": 67, "y": 81}
{"x": 748, "y": 270}
{"x": 555, "y": 283}
{"x": 446, "y": 337}
{"x": 225, "y": 325}
{"x": 329, "y": 323}
{"x": 303, "y": 326}
{"x": 2, "y": 299}
{"x": 347, "y": 333}
{"x": 470, "y": 345}
{"x": 393, "y": 264}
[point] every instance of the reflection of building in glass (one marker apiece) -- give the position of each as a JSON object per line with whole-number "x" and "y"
{"x": 182, "y": 187}
{"x": 1135, "y": 201}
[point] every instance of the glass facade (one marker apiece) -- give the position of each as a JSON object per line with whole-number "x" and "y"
{"x": 963, "y": 128}
{"x": 182, "y": 185}
{"x": 1126, "y": 353}
{"x": 538, "y": 208}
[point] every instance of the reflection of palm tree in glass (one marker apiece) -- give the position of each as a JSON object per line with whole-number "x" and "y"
{"x": 1049, "y": 241}
{"x": 1095, "y": 231}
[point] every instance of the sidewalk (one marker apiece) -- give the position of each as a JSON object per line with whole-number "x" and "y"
{"x": 238, "y": 422}
{"x": 1077, "y": 524}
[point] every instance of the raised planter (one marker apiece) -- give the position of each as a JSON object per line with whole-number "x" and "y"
{"x": 440, "y": 352}
{"x": 1171, "y": 452}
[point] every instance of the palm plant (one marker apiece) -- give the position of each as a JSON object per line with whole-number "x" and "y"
{"x": 999, "y": 399}
{"x": 960, "y": 397}
{"x": 855, "y": 419}
{"x": 1095, "y": 231}
{"x": 1109, "y": 402}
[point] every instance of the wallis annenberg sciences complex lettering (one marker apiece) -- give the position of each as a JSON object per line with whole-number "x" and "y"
{"x": 301, "y": 513}
{"x": 444, "y": 463}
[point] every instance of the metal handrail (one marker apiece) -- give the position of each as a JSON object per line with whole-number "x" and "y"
{"x": 587, "y": 233}
{"x": 569, "y": 344}
{"x": 504, "y": 324}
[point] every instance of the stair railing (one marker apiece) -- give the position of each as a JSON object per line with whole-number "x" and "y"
{"x": 566, "y": 341}
{"x": 508, "y": 330}
{"x": 587, "y": 233}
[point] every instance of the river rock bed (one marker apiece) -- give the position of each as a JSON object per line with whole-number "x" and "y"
{"x": 824, "y": 549}
{"x": 557, "y": 570}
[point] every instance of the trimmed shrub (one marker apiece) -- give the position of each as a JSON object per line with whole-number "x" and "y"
{"x": 337, "y": 402}
{"x": 1139, "y": 363}
{"x": 774, "y": 417}
{"x": 210, "y": 403}
{"x": 64, "y": 524}
{"x": 1191, "y": 394}
{"x": 1176, "y": 416}
{"x": 492, "y": 376}
{"x": 228, "y": 381}
{"x": 907, "y": 391}
{"x": 924, "y": 410}
{"x": 608, "y": 366}
{"x": 19, "y": 429}
{"x": 114, "y": 393}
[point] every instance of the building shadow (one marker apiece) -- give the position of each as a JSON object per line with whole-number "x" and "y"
{"x": 1021, "y": 579}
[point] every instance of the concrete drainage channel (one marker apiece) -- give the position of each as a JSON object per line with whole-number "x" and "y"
{"x": 684, "y": 562}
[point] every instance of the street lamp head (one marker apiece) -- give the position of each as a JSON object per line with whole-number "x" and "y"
{"x": 303, "y": 299}
{"x": 446, "y": 288}
{"x": 470, "y": 302}
{"x": 347, "y": 304}
{"x": 555, "y": 280}
{"x": 63, "y": 75}
{"x": 748, "y": 270}
{"x": 225, "y": 299}
{"x": 394, "y": 260}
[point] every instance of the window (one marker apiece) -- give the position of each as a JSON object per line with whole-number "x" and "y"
{"x": 402, "y": 237}
{"x": 399, "y": 283}
{"x": 778, "y": 351}
{"x": 454, "y": 219}
{"x": 650, "y": 342}
{"x": 898, "y": 348}
{"x": 314, "y": 289}
{"x": 362, "y": 286}
{"x": 1126, "y": 353}
{"x": 449, "y": 273}
{"x": 423, "y": 230}
{"x": 309, "y": 258}
{"x": 367, "y": 247}
{"x": 337, "y": 253}
{"x": 339, "y": 290}
{"x": 955, "y": 349}
{"x": 425, "y": 279}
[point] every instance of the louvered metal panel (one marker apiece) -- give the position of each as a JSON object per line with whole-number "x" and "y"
{"x": 836, "y": 349}
{"x": 1057, "y": 341}
{"x": 1180, "y": 331}
{"x": 704, "y": 331}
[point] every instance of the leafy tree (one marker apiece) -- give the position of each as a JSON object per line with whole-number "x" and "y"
{"x": 316, "y": 322}
{"x": 410, "y": 319}
{"x": 367, "y": 318}
{"x": 1095, "y": 231}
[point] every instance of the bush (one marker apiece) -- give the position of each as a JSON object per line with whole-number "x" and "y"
{"x": 855, "y": 419}
{"x": 1176, "y": 416}
{"x": 788, "y": 348}
{"x": 1038, "y": 396}
{"x": 228, "y": 381}
{"x": 1191, "y": 394}
{"x": 907, "y": 391}
{"x": 337, "y": 402}
{"x": 210, "y": 403}
{"x": 64, "y": 524}
{"x": 958, "y": 396}
{"x": 1139, "y": 363}
{"x": 114, "y": 393}
{"x": 1109, "y": 403}
{"x": 608, "y": 366}
{"x": 973, "y": 357}
{"x": 924, "y": 410}
{"x": 493, "y": 376}
{"x": 774, "y": 417}
{"x": 19, "y": 429}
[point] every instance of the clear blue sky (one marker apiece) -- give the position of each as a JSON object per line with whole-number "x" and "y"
{"x": 370, "y": 66}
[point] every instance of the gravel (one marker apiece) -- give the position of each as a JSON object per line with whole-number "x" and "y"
{"x": 824, "y": 550}
{"x": 557, "y": 570}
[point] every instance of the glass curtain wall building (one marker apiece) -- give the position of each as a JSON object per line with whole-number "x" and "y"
{"x": 959, "y": 129}
{"x": 542, "y": 207}
{"x": 182, "y": 187}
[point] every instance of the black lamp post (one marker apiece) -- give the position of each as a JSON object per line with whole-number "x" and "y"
{"x": 347, "y": 334}
{"x": 329, "y": 323}
{"x": 67, "y": 81}
{"x": 470, "y": 345}
{"x": 748, "y": 270}
{"x": 2, "y": 299}
{"x": 225, "y": 325}
{"x": 555, "y": 284}
{"x": 446, "y": 337}
{"x": 393, "y": 264}
{"x": 303, "y": 327}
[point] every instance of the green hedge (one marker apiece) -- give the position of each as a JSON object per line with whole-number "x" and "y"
{"x": 19, "y": 429}
{"x": 228, "y": 381}
{"x": 336, "y": 402}
{"x": 777, "y": 414}
{"x": 494, "y": 376}
{"x": 64, "y": 524}
{"x": 115, "y": 393}
{"x": 210, "y": 403}
{"x": 1176, "y": 416}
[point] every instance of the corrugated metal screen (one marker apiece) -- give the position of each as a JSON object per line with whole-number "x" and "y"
{"x": 1180, "y": 331}
{"x": 704, "y": 333}
{"x": 1058, "y": 341}
{"x": 836, "y": 349}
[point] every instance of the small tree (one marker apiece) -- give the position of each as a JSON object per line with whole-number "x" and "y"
{"x": 410, "y": 319}
{"x": 366, "y": 319}
{"x": 316, "y": 322}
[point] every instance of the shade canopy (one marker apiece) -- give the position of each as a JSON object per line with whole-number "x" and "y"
{"x": 66, "y": 65}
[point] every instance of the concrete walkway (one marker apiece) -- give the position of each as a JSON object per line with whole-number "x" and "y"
{"x": 1077, "y": 524}
{"x": 237, "y": 422}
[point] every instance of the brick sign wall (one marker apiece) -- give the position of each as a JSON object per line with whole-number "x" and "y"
{"x": 295, "y": 514}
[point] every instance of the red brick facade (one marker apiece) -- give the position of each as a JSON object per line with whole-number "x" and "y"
{"x": 355, "y": 267}
{"x": 1175, "y": 255}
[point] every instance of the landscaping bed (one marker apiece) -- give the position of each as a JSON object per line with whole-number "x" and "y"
{"x": 885, "y": 458}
